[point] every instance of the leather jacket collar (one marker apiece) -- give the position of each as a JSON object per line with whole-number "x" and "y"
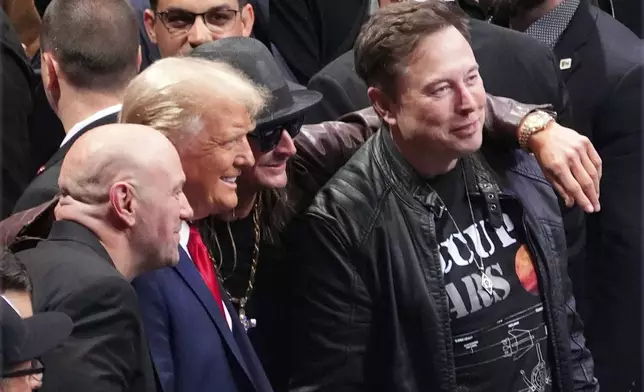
{"x": 408, "y": 183}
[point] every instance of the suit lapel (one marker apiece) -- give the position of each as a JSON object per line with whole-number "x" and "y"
{"x": 573, "y": 39}
{"x": 62, "y": 151}
{"x": 193, "y": 279}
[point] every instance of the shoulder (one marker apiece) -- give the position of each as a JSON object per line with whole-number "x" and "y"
{"x": 155, "y": 282}
{"x": 41, "y": 189}
{"x": 338, "y": 67}
{"x": 486, "y": 36}
{"x": 61, "y": 271}
{"x": 620, "y": 48}
{"x": 354, "y": 196}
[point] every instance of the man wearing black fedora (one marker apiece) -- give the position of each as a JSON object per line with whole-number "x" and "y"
{"x": 23, "y": 341}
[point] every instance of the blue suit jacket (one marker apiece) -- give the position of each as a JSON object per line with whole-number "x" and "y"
{"x": 192, "y": 347}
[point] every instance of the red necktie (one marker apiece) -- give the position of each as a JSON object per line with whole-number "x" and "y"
{"x": 201, "y": 258}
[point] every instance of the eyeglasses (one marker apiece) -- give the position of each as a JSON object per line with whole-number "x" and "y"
{"x": 180, "y": 21}
{"x": 270, "y": 136}
{"x": 34, "y": 372}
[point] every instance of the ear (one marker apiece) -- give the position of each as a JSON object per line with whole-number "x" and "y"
{"x": 149, "y": 19}
{"x": 382, "y": 105}
{"x": 139, "y": 59}
{"x": 50, "y": 73}
{"x": 123, "y": 203}
{"x": 247, "y": 19}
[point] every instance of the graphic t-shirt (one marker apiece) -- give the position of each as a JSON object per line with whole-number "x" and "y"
{"x": 500, "y": 339}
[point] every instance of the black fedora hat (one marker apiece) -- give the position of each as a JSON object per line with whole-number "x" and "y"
{"x": 249, "y": 55}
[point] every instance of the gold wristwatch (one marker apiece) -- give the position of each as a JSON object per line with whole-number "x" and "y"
{"x": 532, "y": 123}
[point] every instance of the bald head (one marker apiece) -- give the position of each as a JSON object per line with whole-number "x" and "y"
{"x": 125, "y": 183}
{"x": 110, "y": 154}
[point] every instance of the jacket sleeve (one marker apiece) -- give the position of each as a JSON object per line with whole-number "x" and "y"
{"x": 330, "y": 312}
{"x": 322, "y": 150}
{"x": 582, "y": 365}
{"x": 102, "y": 354}
{"x": 156, "y": 321}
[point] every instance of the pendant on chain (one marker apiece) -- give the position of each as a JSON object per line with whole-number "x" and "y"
{"x": 246, "y": 322}
{"x": 486, "y": 282}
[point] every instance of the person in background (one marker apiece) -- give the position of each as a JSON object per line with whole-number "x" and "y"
{"x": 16, "y": 111}
{"x": 24, "y": 341}
{"x": 177, "y": 27}
{"x": 83, "y": 78}
{"x": 602, "y": 64}
{"x": 118, "y": 216}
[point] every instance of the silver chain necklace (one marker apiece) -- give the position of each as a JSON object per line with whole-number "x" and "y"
{"x": 486, "y": 282}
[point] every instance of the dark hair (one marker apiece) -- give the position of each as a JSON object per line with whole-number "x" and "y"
{"x": 392, "y": 34}
{"x": 95, "y": 42}
{"x": 13, "y": 274}
{"x": 155, "y": 3}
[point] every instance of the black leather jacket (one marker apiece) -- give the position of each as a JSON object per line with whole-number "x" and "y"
{"x": 370, "y": 311}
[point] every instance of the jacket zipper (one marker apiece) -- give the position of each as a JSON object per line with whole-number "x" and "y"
{"x": 449, "y": 354}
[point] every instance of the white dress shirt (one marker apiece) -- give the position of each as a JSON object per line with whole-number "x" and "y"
{"x": 80, "y": 125}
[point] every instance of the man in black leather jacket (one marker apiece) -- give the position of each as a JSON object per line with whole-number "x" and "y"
{"x": 426, "y": 263}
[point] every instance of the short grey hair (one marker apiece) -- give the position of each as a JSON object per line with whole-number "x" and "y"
{"x": 174, "y": 93}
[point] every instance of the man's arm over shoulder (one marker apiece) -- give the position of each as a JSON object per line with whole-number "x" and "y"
{"x": 102, "y": 354}
{"x": 156, "y": 321}
{"x": 330, "y": 310}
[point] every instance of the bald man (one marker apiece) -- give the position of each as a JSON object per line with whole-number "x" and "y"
{"x": 119, "y": 215}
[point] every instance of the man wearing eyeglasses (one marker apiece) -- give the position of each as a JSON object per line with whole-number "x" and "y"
{"x": 178, "y": 26}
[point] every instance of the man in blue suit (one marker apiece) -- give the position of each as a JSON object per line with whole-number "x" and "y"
{"x": 196, "y": 339}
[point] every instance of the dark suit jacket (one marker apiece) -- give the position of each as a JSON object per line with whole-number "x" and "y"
{"x": 192, "y": 347}
{"x": 17, "y": 80}
{"x": 72, "y": 273}
{"x": 45, "y": 186}
{"x": 605, "y": 83}
{"x": 311, "y": 33}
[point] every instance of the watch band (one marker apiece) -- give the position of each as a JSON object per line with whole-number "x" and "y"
{"x": 534, "y": 122}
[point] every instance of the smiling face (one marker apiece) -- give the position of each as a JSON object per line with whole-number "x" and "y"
{"x": 175, "y": 31}
{"x": 439, "y": 112}
{"x": 269, "y": 170}
{"x": 215, "y": 159}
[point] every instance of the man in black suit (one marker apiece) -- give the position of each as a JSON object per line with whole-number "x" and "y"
{"x": 119, "y": 216}
{"x": 90, "y": 52}
{"x": 17, "y": 101}
{"x": 602, "y": 63}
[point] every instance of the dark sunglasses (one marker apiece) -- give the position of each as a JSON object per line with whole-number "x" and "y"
{"x": 36, "y": 370}
{"x": 269, "y": 137}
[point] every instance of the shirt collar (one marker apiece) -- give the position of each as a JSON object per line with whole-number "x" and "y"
{"x": 549, "y": 28}
{"x": 100, "y": 114}
{"x": 184, "y": 236}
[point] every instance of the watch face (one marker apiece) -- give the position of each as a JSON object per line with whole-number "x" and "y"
{"x": 538, "y": 120}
